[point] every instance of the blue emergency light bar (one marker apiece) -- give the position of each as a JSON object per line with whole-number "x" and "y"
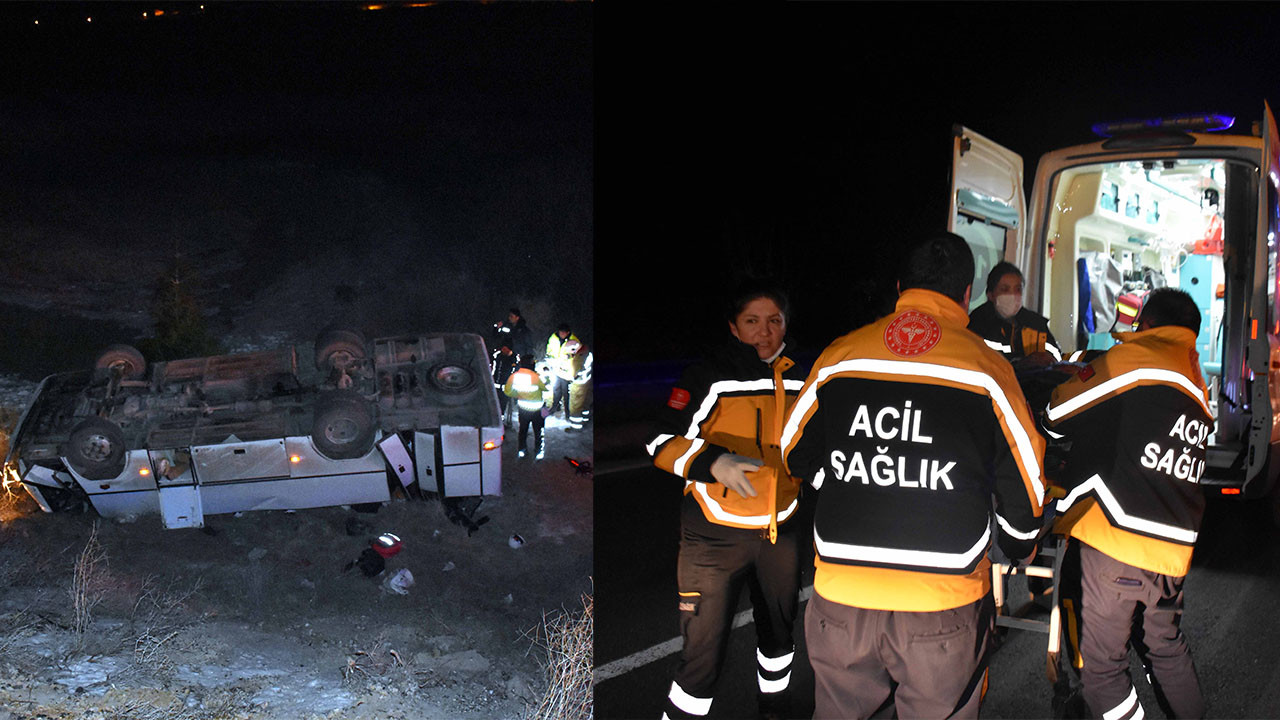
{"x": 1202, "y": 122}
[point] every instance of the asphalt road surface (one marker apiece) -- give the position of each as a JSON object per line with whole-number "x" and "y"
{"x": 1231, "y": 605}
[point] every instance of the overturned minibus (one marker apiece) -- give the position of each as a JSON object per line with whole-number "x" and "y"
{"x": 1177, "y": 202}
{"x": 263, "y": 430}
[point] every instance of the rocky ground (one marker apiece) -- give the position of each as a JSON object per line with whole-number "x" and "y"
{"x": 254, "y": 616}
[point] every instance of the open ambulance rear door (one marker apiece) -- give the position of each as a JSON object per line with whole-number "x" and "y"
{"x": 989, "y": 209}
{"x": 1263, "y": 356}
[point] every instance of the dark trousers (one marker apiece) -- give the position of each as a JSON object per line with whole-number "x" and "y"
{"x": 711, "y": 573}
{"x": 938, "y": 660}
{"x": 560, "y": 394}
{"x": 1110, "y": 606}
{"x": 527, "y": 418}
{"x": 504, "y": 402}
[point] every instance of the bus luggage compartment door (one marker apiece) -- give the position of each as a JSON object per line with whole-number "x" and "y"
{"x": 460, "y": 455}
{"x": 180, "y": 505}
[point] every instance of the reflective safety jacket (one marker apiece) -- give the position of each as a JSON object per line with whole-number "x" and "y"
{"x": 527, "y": 388}
{"x": 1138, "y": 421}
{"x": 731, "y": 402}
{"x": 1024, "y": 334}
{"x": 908, "y": 427}
{"x": 558, "y": 356}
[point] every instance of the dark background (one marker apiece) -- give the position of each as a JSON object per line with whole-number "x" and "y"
{"x": 811, "y": 140}
{"x": 423, "y": 168}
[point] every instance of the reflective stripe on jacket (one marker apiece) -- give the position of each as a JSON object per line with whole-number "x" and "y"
{"x": 526, "y": 387}
{"x": 1032, "y": 333}
{"x": 909, "y": 426}
{"x": 729, "y": 403}
{"x": 1138, "y": 419}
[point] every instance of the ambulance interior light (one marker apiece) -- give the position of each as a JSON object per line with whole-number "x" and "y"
{"x": 1201, "y": 122}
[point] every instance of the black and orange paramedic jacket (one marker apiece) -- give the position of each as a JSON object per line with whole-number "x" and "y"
{"x": 909, "y": 427}
{"x": 731, "y": 402}
{"x": 1138, "y": 420}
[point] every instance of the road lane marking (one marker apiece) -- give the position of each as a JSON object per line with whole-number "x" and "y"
{"x": 624, "y": 665}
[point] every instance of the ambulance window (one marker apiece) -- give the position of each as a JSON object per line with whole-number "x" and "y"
{"x": 987, "y": 240}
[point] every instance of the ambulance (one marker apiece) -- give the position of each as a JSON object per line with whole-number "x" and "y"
{"x": 1185, "y": 201}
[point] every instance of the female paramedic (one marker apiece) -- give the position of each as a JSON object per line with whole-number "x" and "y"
{"x": 720, "y": 431}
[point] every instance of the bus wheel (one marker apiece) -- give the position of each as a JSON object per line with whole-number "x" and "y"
{"x": 344, "y": 425}
{"x": 125, "y": 357}
{"x": 339, "y": 349}
{"x": 95, "y": 449}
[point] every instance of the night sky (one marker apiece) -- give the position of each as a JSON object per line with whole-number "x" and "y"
{"x": 446, "y": 146}
{"x": 809, "y": 140}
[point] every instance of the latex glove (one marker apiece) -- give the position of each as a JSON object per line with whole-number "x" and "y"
{"x": 730, "y": 470}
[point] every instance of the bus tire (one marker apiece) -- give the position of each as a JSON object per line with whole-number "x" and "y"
{"x": 131, "y": 362}
{"x": 343, "y": 426}
{"x": 95, "y": 449}
{"x": 337, "y": 348}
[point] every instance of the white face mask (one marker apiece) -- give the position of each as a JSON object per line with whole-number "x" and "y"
{"x": 1008, "y": 305}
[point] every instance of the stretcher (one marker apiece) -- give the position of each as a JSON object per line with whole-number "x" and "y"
{"x": 1047, "y": 566}
{"x": 1052, "y": 548}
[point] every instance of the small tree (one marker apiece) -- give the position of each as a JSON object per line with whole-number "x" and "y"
{"x": 179, "y": 321}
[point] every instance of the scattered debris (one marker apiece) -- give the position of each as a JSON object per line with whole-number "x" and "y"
{"x": 371, "y": 564}
{"x": 462, "y": 511}
{"x": 581, "y": 467}
{"x": 515, "y": 542}
{"x": 257, "y": 553}
{"x": 373, "y": 560}
{"x": 399, "y": 583}
{"x": 448, "y": 566}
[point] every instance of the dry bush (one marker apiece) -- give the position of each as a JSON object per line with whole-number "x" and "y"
{"x": 88, "y": 584}
{"x": 159, "y": 620}
{"x": 566, "y": 639}
{"x": 17, "y": 626}
{"x": 378, "y": 661}
{"x": 142, "y": 710}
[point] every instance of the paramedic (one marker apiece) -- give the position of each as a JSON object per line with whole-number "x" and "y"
{"x": 1019, "y": 334}
{"x": 908, "y": 428}
{"x": 719, "y": 431}
{"x": 1138, "y": 420}
{"x": 527, "y": 388}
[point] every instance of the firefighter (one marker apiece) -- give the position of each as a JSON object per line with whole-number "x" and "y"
{"x": 908, "y": 427}
{"x": 719, "y": 431}
{"x": 580, "y": 388}
{"x": 1137, "y": 419}
{"x": 1019, "y": 334}
{"x": 527, "y": 388}
{"x": 560, "y": 358}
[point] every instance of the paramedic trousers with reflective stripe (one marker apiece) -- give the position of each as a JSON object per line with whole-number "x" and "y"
{"x": 710, "y": 574}
{"x": 937, "y": 659}
{"x": 1121, "y": 604}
